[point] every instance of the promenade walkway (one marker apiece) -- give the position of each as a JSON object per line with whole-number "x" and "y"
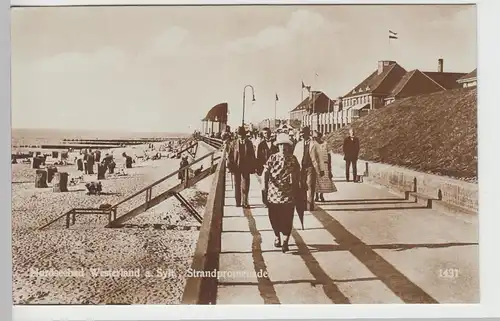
{"x": 363, "y": 245}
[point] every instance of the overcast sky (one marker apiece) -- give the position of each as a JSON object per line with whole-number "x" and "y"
{"x": 163, "y": 68}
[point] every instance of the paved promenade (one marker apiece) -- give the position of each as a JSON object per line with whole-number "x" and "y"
{"x": 363, "y": 245}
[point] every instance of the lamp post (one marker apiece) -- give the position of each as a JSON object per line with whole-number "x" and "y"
{"x": 253, "y": 99}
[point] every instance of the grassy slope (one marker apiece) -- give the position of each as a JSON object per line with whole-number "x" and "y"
{"x": 435, "y": 133}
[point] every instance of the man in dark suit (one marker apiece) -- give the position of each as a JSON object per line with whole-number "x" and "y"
{"x": 351, "y": 152}
{"x": 265, "y": 149}
{"x": 241, "y": 163}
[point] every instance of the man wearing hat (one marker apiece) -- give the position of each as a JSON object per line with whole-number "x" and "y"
{"x": 241, "y": 163}
{"x": 307, "y": 153}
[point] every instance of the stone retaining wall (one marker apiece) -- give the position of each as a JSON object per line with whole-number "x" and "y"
{"x": 454, "y": 192}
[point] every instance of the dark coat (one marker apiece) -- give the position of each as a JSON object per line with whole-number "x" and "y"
{"x": 184, "y": 163}
{"x": 245, "y": 163}
{"x": 263, "y": 153}
{"x": 351, "y": 148}
{"x": 128, "y": 161}
{"x": 79, "y": 164}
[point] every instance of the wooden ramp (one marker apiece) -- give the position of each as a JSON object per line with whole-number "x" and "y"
{"x": 146, "y": 193}
{"x": 162, "y": 197}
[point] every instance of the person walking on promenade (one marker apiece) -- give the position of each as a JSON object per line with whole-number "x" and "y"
{"x": 264, "y": 150}
{"x": 351, "y": 153}
{"x": 324, "y": 184}
{"x": 307, "y": 153}
{"x": 241, "y": 163}
{"x": 280, "y": 184}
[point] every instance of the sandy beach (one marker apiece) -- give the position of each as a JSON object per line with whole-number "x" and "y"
{"x": 144, "y": 262}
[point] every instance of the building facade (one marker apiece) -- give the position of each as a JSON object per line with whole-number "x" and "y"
{"x": 371, "y": 93}
{"x": 469, "y": 80}
{"x": 309, "y": 110}
{"x": 388, "y": 83}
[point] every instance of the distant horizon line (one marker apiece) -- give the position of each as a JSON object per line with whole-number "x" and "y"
{"x": 100, "y": 130}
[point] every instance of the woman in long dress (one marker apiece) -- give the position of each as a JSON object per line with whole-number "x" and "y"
{"x": 280, "y": 184}
{"x": 325, "y": 183}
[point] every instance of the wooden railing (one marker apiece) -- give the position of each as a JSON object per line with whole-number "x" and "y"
{"x": 192, "y": 145}
{"x": 203, "y": 289}
{"x": 184, "y": 169}
{"x": 148, "y": 190}
{"x": 71, "y": 215}
{"x": 213, "y": 142}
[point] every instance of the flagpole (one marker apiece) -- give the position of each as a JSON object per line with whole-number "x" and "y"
{"x": 275, "y": 103}
{"x": 314, "y": 100}
{"x": 389, "y": 47}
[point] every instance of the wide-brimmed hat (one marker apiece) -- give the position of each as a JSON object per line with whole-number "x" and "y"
{"x": 283, "y": 138}
{"x": 242, "y": 130}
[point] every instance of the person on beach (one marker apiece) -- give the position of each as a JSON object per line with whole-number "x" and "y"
{"x": 108, "y": 163}
{"x": 325, "y": 183}
{"x": 241, "y": 163}
{"x": 128, "y": 160}
{"x": 85, "y": 157}
{"x": 311, "y": 166}
{"x": 97, "y": 156}
{"x": 280, "y": 184}
{"x": 90, "y": 163}
{"x": 351, "y": 153}
{"x": 79, "y": 162}
{"x": 264, "y": 150}
{"x": 184, "y": 162}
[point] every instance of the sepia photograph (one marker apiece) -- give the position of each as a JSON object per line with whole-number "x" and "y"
{"x": 244, "y": 154}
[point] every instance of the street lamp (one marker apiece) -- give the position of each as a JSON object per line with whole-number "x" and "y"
{"x": 253, "y": 99}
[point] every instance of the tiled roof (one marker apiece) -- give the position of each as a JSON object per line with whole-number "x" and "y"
{"x": 415, "y": 83}
{"x": 397, "y": 89}
{"x": 382, "y": 83}
{"x": 448, "y": 80}
{"x": 470, "y": 75}
{"x": 303, "y": 105}
{"x": 307, "y": 102}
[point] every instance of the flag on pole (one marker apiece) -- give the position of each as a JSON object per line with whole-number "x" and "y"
{"x": 277, "y": 99}
{"x": 393, "y": 35}
{"x": 306, "y": 87}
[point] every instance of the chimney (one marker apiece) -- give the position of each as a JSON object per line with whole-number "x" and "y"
{"x": 383, "y": 65}
{"x": 440, "y": 65}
